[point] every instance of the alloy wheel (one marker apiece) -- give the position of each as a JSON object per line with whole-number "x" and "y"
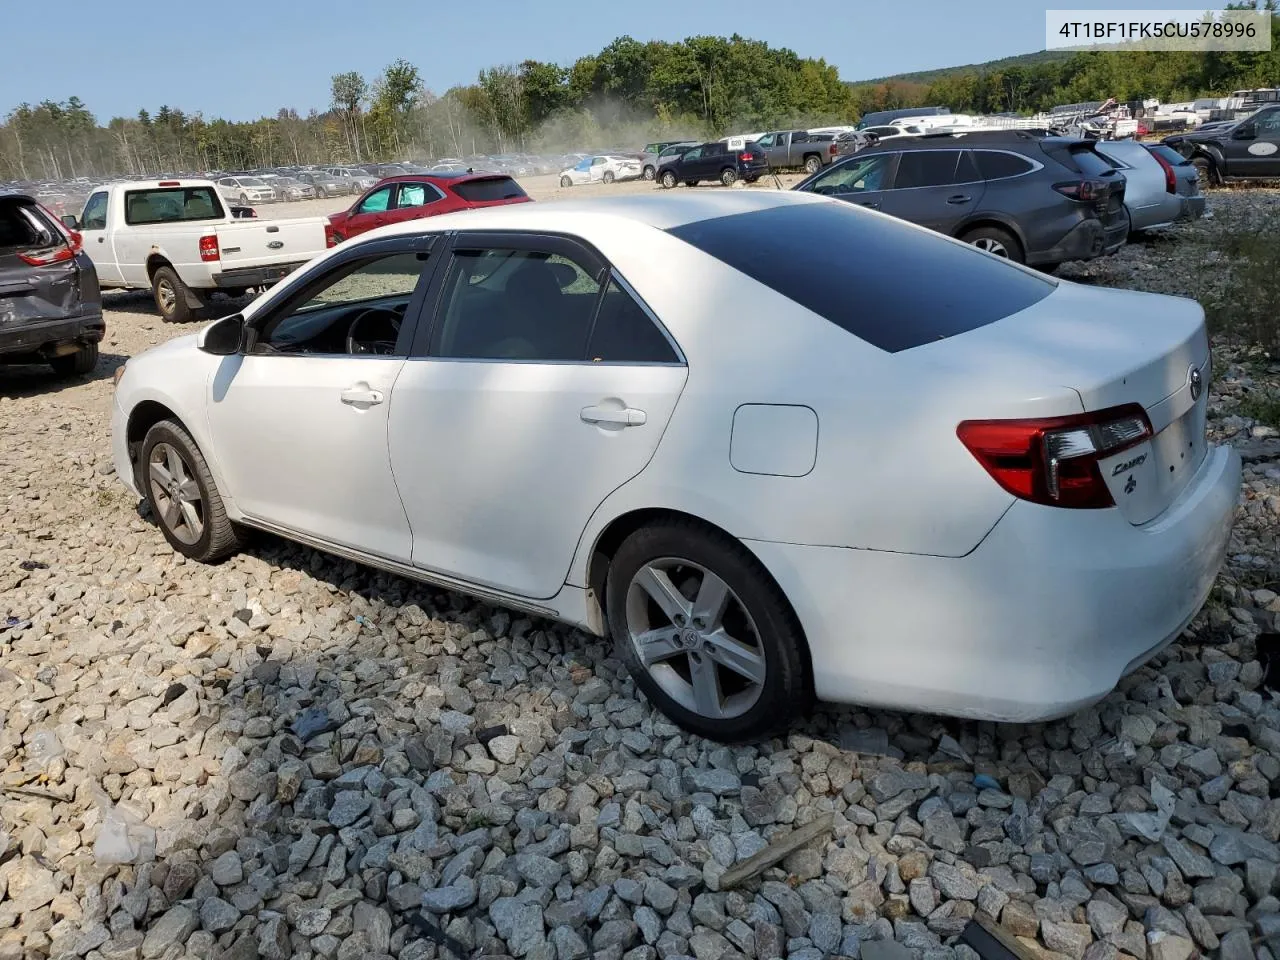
{"x": 991, "y": 245}
{"x": 175, "y": 493}
{"x": 694, "y": 637}
{"x": 167, "y": 296}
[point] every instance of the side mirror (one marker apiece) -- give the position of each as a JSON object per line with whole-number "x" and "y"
{"x": 222, "y": 338}
{"x": 1246, "y": 132}
{"x": 70, "y": 221}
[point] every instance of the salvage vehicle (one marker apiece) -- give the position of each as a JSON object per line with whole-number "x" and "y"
{"x": 714, "y": 161}
{"x": 1240, "y": 150}
{"x": 601, "y": 169}
{"x": 1159, "y": 188}
{"x": 178, "y": 239}
{"x": 421, "y": 195}
{"x": 1036, "y": 200}
{"x": 789, "y": 149}
{"x": 533, "y": 404}
{"x": 50, "y": 304}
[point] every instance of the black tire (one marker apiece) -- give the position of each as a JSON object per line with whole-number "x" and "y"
{"x": 321, "y": 194}
{"x": 566, "y": 182}
{"x": 648, "y": 173}
{"x": 170, "y": 295}
{"x": 244, "y": 200}
{"x": 691, "y": 183}
{"x": 999, "y": 242}
{"x": 728, "y": 176}
{"x": 750, "y": 179}
{"x": 219, "y": 536}
{"x": 76, "y": 364}
{"x": 668, "y": 180}
{"x": 607, "y": 176}
{"x": 1207, "y": 171}
{"x": 785, "y": 693}
{"x": 812, "y": 163}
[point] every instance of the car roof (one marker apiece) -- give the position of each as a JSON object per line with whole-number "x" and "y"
{"x": 452, "y": 176}
{"x": 661, "y": 211}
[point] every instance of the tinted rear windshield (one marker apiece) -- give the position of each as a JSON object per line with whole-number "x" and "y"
{"x": 1078, "y": 157}
{"x": 491, "y": 188}
{"x": 171, "y": 205}
{"x": 864, "y": 272}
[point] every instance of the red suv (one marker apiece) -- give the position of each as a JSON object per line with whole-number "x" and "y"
{"x": 414, "y": 196}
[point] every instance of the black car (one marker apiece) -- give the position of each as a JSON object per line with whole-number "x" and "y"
{"x": 1248, "y": 148}
{"x": 50, "y": 304}
{"x": 714, "y": 161}
{"x": 1037, "y": 200}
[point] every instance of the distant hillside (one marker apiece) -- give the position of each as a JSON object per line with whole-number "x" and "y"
{"x": 929, "y": 76}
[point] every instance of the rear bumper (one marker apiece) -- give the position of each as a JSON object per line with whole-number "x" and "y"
{"x": 1086, "y": 240}
{"x": 254, "y": 276}
{"x": 1043, "y": 618}
{"x": 35, "y": 336}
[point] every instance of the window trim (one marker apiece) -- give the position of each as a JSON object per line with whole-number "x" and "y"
{"x": 309, "y": 279}
{"x": 426, "y": 339}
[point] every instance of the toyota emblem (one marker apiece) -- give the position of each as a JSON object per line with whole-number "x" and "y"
{"x": 1197, "y": 384}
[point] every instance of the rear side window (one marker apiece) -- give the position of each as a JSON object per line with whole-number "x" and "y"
{"x": 19, "y": 226}
{"x": 997, "y": 165}
{"x": 926, "y": 168}
{"x": 1078, "y": 157}
{"x": 171, "y": 205}
{"x": 861, "y": 271}
{"x": 1170, "y": 155}
{"x": 623, "y": 332}
{"x": 489, "y": 189}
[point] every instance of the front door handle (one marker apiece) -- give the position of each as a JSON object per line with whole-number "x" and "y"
{"x": 621, "y": 416}
{"x": 872, "y": 204}
{"x": 361, "y": 394}
{"x": 959, "y": 198}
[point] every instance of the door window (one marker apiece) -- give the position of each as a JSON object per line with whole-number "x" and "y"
{"x": 504, "y": 304}
{"x": 858, "y": 176}
{"x": 416, "y": 195}
{"x": 95, "y": 213}
{"x": 926, "y": 168}
{"x": 766, "y": 140}
{"x": 694, "y": 154}
{"x": 625, "y": 333}
{"x": 1267, "y": 126}
{"x": 356, "y": 309}
{"x": 598, "y": 162}
{"x": 376, "y": 202}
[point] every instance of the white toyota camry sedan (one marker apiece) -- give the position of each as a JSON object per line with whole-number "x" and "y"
{"x": 777, "y": 447}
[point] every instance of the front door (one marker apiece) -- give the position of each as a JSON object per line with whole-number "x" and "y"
{"x": 299, "y": 422}
{"x": 533, "y": 400}
{"x": 863, "y": 180}
{"x": 1257, "y": 155}
{"x": 690, "y": 164}
{"x": 97, "y": 242}
{"x": 370, "y": 211}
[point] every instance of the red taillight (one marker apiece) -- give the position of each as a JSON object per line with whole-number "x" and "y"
{"x": 833, "y": 149}
{"x": 747, "y": 157}
{"x": 1170, "y": 176}
{"x": 1086, "y": 191}
{"x": 209, "y": 248}
{"x": 330, "y": 236}
{"x": 1054, "y": 460}
{"x": 47, "y": 255}
{"x": 170, "y": 183}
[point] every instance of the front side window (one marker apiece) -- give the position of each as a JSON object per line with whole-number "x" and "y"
{"x": 356, "y": 309}
{"x": 1267, "y": 125}
{"x": 857, "y": 176}
{"x": 766, "y": 140}
{"x": 504, "y": 304}
{"x": 376, "y": 202}
{"x": 171, "y": 205}
{"x": 926, "y": 168}
{"x": 95, "y": 213}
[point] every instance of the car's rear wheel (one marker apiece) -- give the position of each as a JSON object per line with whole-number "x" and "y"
{"x": 812, "y": 164}
{"x": 177, "y": 483}
{"x": 691, "y": 183}
{"x": 76, "y": 364}
{"x": 668, "y": 180}
{"x": 728, "y": 176}
{"x": 171, "y": 296}
{"x": 995, "y": 241}
{"x": 706, "y": 633}
{"x": 566, "y": 182}
{"x": 608, "y": 176}
{"x": 648, "y": 173}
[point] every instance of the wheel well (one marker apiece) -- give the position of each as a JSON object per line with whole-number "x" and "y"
{"x": 154, "y": 263}
{"x": 141, "y": 419}
{"x": 995, "y": 225}
{"x": 623, "y": 526}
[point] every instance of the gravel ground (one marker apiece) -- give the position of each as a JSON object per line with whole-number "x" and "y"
{"x": 289, "y": 755}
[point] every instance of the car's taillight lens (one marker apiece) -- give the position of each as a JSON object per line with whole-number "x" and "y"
{"x": 45, "y": 256}
{"x": 1086, "y": 191}
{"x": 1054, "y": 460}
{"x": 833, "y": 149}
{"x": 209, "y": 248}
{"x": 330, "y": 237}
{"x": 1170, "y": 176}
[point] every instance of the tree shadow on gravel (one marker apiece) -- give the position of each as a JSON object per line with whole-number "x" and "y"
{"x": 33, "y": 379}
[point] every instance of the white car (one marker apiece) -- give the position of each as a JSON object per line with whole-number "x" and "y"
{"x": 601, "y": 169}
{"x": 989, "y": 495}
{"x": 246, "y": 190}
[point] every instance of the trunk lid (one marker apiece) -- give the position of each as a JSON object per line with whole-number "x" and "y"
{"x": 1111, "y": 348}
{"x": 266, "y": 242}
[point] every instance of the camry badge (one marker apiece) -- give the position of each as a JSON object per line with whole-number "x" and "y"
{"x": 1197, "y": 384}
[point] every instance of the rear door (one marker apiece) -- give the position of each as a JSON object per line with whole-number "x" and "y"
{"x": 934, "y": 188}
{"x": 416, "y": 200}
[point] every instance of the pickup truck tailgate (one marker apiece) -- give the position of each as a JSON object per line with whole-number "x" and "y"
{"x": 269, "y": 242}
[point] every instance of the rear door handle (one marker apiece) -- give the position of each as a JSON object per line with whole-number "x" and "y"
{"x": 361, "y": 394}
{"x": 959, "y": 198}
{"x": 871, "y": 204}
{"x": 625, "y": 416}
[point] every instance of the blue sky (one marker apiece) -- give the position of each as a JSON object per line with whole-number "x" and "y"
{"x": 242, "y": 60}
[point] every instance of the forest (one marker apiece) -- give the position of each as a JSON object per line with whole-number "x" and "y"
{"x": 626, "y": 93}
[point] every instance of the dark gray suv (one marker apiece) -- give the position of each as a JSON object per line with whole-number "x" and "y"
{"x": 1037, "y": 200}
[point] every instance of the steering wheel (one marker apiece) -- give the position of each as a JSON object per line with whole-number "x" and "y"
{"x": 388, "y": 333}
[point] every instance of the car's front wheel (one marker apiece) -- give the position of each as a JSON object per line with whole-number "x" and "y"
{"x": 566, "y": 182}
{"x": 1206, "y": 172}
{"x": 668, "y": 180}
{"x": 706, "y": 633}
{"x": 177, "y": 483}
{"x": 648, "y": 173}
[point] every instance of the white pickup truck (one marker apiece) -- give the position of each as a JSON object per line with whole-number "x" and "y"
{"x": 178, "y": 239}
